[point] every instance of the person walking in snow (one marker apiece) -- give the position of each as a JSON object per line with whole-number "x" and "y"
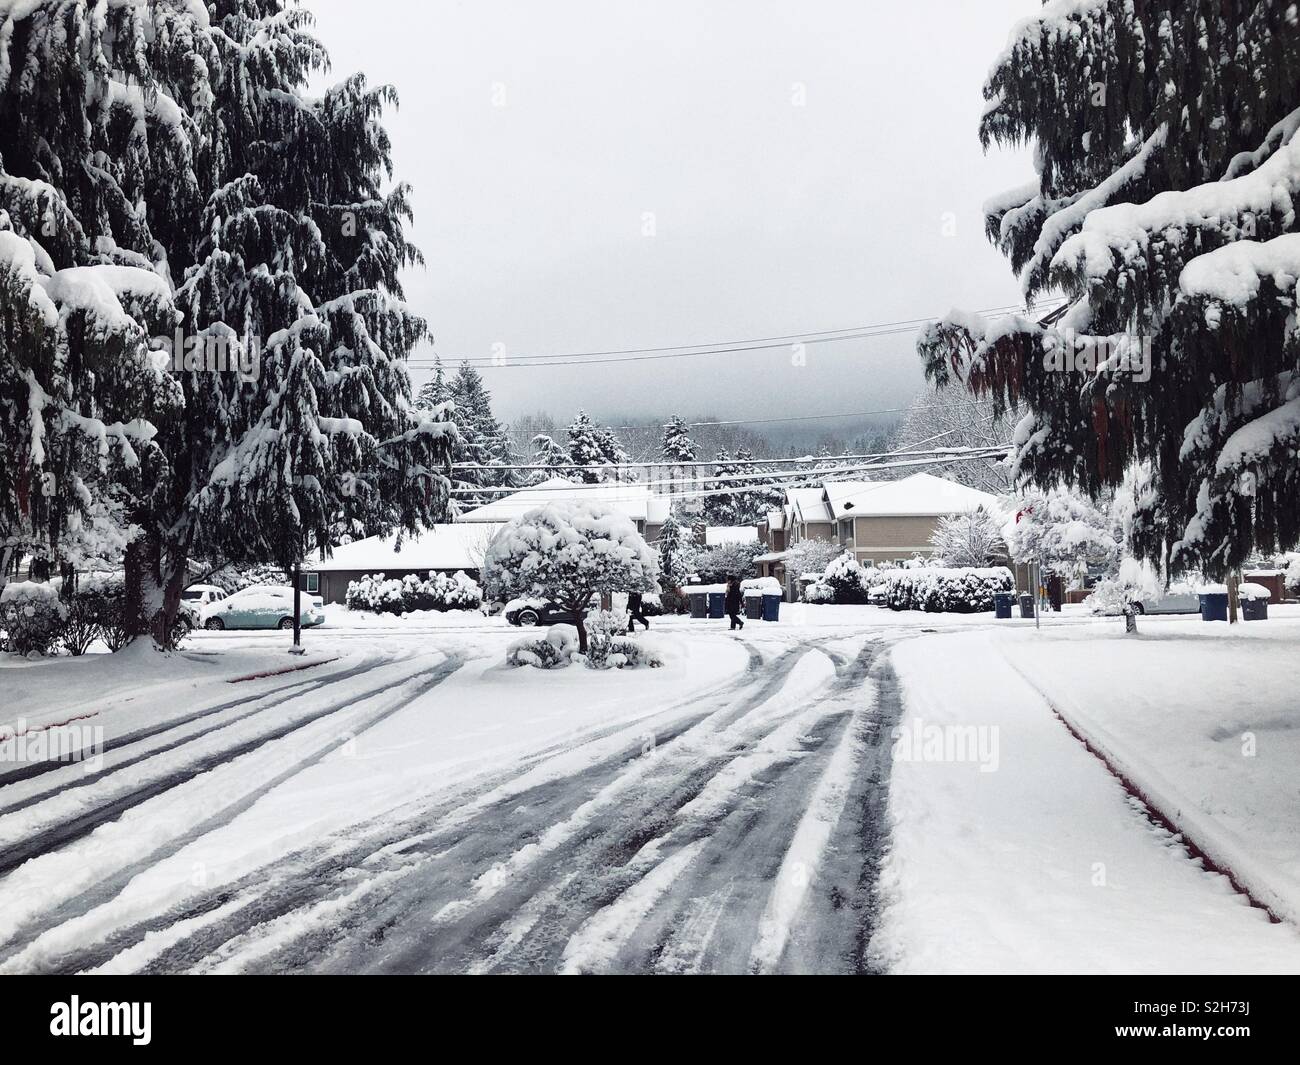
{"x": 733, "y": 603}
{"x": 636, "y": 612}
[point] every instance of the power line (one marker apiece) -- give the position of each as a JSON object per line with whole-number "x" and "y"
{"x": 753, "y": 482}
{"x": 680, "y": 351}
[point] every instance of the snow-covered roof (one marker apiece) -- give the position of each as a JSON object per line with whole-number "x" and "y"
{"x": 449, "y": 547}
{"x": 836, "y": 492}
{"x": 807, "y": 504}
{"x": 633, "y": 500}
{"x": 921, "y": 495}
{"x": 776, "y": 519}
{"x": 717, "y": 535}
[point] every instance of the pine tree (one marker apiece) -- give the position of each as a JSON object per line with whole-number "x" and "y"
{"x": 173, "y": 152}
{"x": 677, "y": 445}
{"x": 435, "y": 391}
{"x": 674, "y": 550}
{"x": 546, "y": 452}
{"x": 1168, "y": 166}
{"x": 586, "y": 448}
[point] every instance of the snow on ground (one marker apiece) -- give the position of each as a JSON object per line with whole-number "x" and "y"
{"x": 1034, "y": 858}
{"x": 1205, "y": 721}
{"x": 409, "y": 803}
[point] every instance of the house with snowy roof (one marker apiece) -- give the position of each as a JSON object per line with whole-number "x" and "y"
{"x": 891, "y": 521}
{"x": 877, "y": 521}
{"x": 647, "y": 510}
{"x": 440, "y": 549}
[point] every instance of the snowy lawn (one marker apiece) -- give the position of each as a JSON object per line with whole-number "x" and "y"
{"x": 1205, "y": 720}
{"x": 1021, "y": 852}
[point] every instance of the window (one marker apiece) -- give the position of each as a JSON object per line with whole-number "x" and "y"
{"x": 312, "y": 581}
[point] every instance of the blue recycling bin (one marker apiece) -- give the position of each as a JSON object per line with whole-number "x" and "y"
{"x": 771, "y": 607}
{"x": 1254, "y": 610}
{"x": 699, "y": 604}
{"x": 1214, "y": 606}
{"x": 717, "y": 604}
{"x": 1003, "y": 602}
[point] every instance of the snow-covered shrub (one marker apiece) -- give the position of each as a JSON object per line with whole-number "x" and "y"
{"x": 818, "y": 592}
{"x": 381, "y": 595}
{"x": 81, "y": 626}
{"x": 970, "y": 539}
{"x": 812, "y": 556}
{"x": 603, "y": 627}
{"x": 713, "y": 565}
{"x": 940, "y": 590}
{"x": 553, "y": 649}
{"x": 628, "y": 653}
{"x": 846, "y": 579}
{"x": 1292, "y": 578}
{"x": 33, "y": 616}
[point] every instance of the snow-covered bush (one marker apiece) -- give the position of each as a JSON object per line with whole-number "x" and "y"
{"x": 812, "y": 556}
{"x": 551, "y": 650}
{"x": 713, "y": 565}
{"x": 33, "y": 617}
{"x": 567, "y": 553}
{"x": 847, "y": 579}
{"x": 381, "y": 595}
{"x": 628, "y": 653}
{"x": 818, "y": 592}
{"x": 967, "y": 590}
{"x": 603, "y": 627}
{"x": 1292, "y": 578}
{"x": 970, "y": 539}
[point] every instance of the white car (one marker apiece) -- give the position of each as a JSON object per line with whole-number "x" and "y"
{"x": 262, "y": 606}
{"x": 200, "y": 595}
{"x": 1170, "y": 602}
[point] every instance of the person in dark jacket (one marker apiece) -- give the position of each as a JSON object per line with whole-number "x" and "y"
{"x": 733, "y": 603}
{"x": 636, "y": 612}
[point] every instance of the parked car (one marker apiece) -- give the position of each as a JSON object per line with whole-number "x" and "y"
{"x": 1170, "y": 602}
{"x": 262, "y": 606}
{"x": 538, "y": 612}
{"x": 200, "y": 595}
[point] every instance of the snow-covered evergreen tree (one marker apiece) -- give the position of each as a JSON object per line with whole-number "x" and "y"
{"x": 674, "y": 553}
{"x": 170, "y": 149}
{"x": 677, "y": 445}
{"x": 1164, "y": 207}
{"x": 1064, "y": 531}
{"x": 546, "y": 452}
{"x": 435, "y": 391}
{"x": 586, "y": 448}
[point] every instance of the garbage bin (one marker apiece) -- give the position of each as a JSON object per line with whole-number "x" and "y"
{"x": 1026, "y": 605}
{"x": 717, "y": 604}
{"x": 754, "y": 607}
{"x": 771, "y": 607}
{"x": 1214, "y": 606}
{"x": 1002, "y": 604}
{"x": 699, "y": 604}
{"x": 1254, "y": 609}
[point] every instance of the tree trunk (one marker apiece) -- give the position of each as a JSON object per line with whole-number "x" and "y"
{"x": 581, "y": 625}
{"x": 1234, "y": 596}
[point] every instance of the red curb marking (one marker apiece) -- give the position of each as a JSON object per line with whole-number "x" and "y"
{"x": 280, "y": 672}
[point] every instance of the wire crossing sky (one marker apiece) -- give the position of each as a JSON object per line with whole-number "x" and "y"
{"x": 594, "y": 176}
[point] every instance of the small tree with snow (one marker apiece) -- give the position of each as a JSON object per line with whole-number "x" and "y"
{"x": 812, "y": 556}
{"x": 674, "y": 549}
{"x": 1063, "y": 531}
{"x": 567, "y": 553}
{"x": 677, "y": 445}
{"x": 970, "y": 539}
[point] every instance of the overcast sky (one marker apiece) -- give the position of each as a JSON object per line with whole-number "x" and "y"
{"x": 608, "y": 175}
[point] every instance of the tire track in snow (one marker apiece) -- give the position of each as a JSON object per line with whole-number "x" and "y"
{"x": 105, "y": 888}
{"x": 472, "y": 848}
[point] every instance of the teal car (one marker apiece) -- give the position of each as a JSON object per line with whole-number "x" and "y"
{"x": 263, "y": 606}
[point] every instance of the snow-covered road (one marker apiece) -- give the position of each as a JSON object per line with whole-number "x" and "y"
{"x": 415, "y": 806}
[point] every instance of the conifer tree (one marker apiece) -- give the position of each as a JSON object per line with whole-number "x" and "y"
{"x": 1164, "y": 208}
